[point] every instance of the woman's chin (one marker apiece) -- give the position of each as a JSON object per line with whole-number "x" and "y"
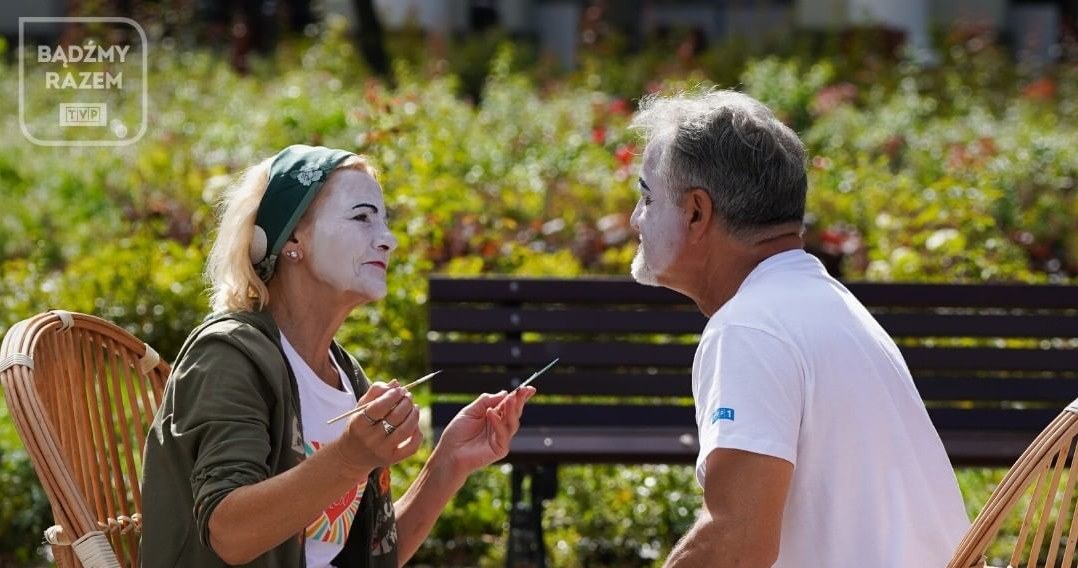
{"x": 373, "y": 293}
{"x": 364, "y": 293}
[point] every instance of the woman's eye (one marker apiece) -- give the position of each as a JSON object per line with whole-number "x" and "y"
{"x": 362, "y": 217}
{"x": 647, "y": 201}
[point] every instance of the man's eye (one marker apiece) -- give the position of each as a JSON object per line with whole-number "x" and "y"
{"x": 647, "y": 201}
{"x": 362, "y": 217}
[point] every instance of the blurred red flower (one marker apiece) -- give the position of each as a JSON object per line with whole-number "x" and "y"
{"x": 1040, "y": 90}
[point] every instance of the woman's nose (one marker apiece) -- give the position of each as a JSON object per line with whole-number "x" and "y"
{"x": 387, "y": 242}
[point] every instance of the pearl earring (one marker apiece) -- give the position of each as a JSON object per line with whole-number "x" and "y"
{"x": 293, "y": 254}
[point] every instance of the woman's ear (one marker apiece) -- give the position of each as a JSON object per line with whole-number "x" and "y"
{"x": 291, "y": 249}
{"x": 700, "y": 210}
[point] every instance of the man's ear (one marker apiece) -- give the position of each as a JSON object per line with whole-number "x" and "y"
{"x": 699, "y": 208}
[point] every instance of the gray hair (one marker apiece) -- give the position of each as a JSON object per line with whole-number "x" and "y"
{"x": 732, "y": 146}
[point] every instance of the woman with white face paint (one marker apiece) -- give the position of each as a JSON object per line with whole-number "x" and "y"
{"x": 241, "y": 466}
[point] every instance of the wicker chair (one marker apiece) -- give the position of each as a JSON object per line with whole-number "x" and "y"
{"x": 82, "y": 393}
{"x": 1048, "y": 468}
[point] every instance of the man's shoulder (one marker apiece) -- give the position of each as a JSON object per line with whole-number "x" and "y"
{"x": 793, "y": 309}
{"x": 797, "y": 287}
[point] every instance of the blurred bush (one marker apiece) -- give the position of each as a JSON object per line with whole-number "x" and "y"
{"x": 964, "y": 171}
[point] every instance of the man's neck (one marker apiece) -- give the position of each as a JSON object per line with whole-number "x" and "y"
{"x": 726, "y": 268}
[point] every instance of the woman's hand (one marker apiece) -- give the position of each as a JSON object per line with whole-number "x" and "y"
{"x": 480, "y": 434}
{"x": 368, "y": 443}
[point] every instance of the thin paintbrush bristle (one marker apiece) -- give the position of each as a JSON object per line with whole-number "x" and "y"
{"x": 421, "y": 380}
{"x": 536, "y": 374}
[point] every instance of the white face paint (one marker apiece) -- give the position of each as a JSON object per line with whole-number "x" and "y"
{"x": 347, "y": 240}
{"x": 658, "y": 220}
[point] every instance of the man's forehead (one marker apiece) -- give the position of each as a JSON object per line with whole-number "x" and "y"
{"x": 649, "y": 167}
{"x": 653, "y": 153}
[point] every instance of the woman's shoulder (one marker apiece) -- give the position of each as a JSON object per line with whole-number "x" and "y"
{"x": 231, "y": 354}
{"x": 249, "y": 328}
{"x": 252, "y": 335}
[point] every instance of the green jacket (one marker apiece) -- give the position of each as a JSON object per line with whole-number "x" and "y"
{"x": 230, "y": 417}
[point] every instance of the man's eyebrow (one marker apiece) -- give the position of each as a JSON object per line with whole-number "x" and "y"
{"x": 644, "y": 185}
{"x": 373, "y": 207}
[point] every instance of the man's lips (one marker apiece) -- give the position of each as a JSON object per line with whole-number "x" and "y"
{"x": 377, "y": 263}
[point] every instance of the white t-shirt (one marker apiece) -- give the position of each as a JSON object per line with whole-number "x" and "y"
{"x": 794, "y": 367}
{"x": 318, "y": 403}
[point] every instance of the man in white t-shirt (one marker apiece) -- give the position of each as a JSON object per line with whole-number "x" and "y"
{"x": 815, "y": 447}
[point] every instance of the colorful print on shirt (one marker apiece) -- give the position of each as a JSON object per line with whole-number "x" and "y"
{"x": 333, "y": 524}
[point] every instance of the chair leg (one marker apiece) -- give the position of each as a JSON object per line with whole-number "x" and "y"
{"x": 65, "y": 556}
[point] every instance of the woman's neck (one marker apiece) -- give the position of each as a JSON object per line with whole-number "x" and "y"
{"x": 309, "y": 325}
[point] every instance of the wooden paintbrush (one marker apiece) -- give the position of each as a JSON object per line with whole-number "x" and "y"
{"x": 407, "y": 387}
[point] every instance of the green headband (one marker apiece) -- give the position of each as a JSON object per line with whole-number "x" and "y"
{"x": 295, "y": 176}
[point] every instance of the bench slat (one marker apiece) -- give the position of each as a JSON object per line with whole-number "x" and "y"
{"x": 679, "y": 445}
{"x": 983, "y": 358}
{"x": 613, "y": 320}
{"x": 453, "y": 381}
{"x": 590, "y": 290}
{"x": 591, "y": 354}
{"x": 946, "y": 325}
{"x": 618, "y": 415}
{"x": 606, "y": 290}
{"x": 1056, "y": 390}
{"x": 1020, "y": 296}
{"x": 605, "y": 445}
{"x": 595, "y": 383}
{"x": 590, "y": 415}
{"x": 577, "y": 320}
{"x": 622, "y": 354}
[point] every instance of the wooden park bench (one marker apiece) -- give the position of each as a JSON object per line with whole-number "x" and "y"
{"x": 994, "y": 363}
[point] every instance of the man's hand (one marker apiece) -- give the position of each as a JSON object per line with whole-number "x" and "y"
{"x": 744, "y": 496}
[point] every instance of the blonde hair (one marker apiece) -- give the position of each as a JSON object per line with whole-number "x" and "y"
{"x": 234, "y": 284}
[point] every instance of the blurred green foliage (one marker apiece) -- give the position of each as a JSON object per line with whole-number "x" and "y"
{"x": 964, "y": 171}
